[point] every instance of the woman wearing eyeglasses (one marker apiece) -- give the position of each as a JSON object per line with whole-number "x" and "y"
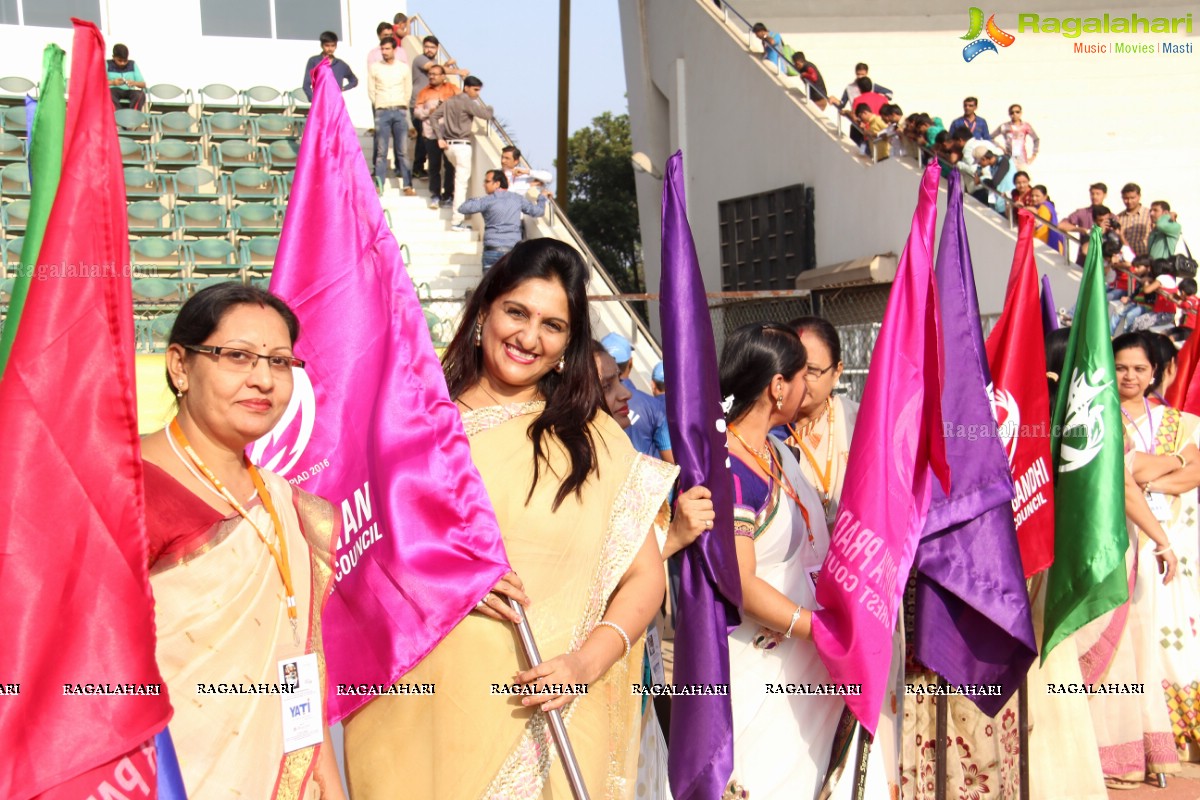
{"x": 239, "y": 560}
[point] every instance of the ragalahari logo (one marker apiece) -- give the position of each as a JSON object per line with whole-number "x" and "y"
{"x": 980, "y": 44}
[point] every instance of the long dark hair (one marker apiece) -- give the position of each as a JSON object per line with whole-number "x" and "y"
{"x": 1165, "y": 352}
{"x": 752, "y": 355}
{"x": 573, "y": 395}
{"x": 203, "y": 312}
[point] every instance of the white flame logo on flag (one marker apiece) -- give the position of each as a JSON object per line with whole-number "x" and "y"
{"x": 273, "y": 451}
{"x": 1007, "y": 414}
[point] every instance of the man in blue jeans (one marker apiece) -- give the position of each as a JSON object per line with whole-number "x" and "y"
{"x": 389, "y": 85}
{"x": 501, "y": 210}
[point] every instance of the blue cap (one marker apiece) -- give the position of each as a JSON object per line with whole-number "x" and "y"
{"x": 618, "y": 347}
{"x": 658, "y": 376}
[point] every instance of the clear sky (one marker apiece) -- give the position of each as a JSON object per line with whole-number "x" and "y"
{"x": 512, "y": 45}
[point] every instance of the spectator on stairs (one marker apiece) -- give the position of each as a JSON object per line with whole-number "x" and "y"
{"x": 1135, "y": 220}
{"x": 975, "y": 124}
{"x": 501, "y": 211}
{"x": 389, "y": 85}
{"x": 1164, "y": 237}
{"x": 813, "y": 80}
{"x": 441, "y": 171}
{"x": 773, "y": 47}
{"x": 522, "y": 180}
{"x": 454, "y": 120}
{"x": 873, "y": 100}
{"x": 1081, "y": 219}
{"x": 853, "y": 89}
{"x": 1018, "y": 138}
{"x": 384, "y": 30}
{"x": 345, "y": 77}
{"x": 125, "y": 81}
{"x": 872, "y": 126}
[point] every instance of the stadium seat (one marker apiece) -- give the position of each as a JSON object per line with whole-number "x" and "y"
{"x": 152, "y": 255}
{"x": 198, "y": 183}
{"x": 14, "y": 121}
{"x": 258, "y": 254}
{"x": 133, "y": 153}
{"x": 256, "y": 219}
{"x": 12, "y": 253}
{"x": 14, "y": 180}
{"x": 276, "y": 126}
{"x": 282, "y": 155}
{"x": 202, "y": 219}
{"x": 15, "y": 216}
{"x": 174, "y": 154}
{"x": 300, "y": 103}
{"x": 226, "y": 125}
{"x": 12, "y": 148}
{"x": 156, "y": 291}
{"x": 252, "y": 183}
{"x": 142, "y": 184}
{"x": 209, "y": 256}
{"x": 217, "y": 97}
{"x": 265, "y": 100}
{"x": 234, "y": 154}
{"x": 149, "y": 216}
{"x": 167, "y": 97}
{"x": 179, "y": 125}
{"x": 133, "y": 124}
{"x": 13, "y": 90}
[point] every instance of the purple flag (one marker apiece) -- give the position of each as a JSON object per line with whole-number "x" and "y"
{"x": 973, "y": 623}
{"x": 701, "y": 753}
{"x": 1049, "y": 310}
{"x": 371, "y": 427}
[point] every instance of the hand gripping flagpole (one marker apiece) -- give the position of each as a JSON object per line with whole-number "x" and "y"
{"x": 558, "y": 728}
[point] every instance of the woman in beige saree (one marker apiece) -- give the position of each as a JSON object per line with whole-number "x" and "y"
{"x": 239, "y": 561}
{"x": 576, "y": 506}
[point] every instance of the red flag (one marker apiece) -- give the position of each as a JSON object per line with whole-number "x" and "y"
{"x": 1021, "y": 402}
{"x": 1184, "y": 393}
{"x": 76, "y": 601}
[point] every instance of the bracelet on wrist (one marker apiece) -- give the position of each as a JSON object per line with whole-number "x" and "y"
{"x": 1182, "y": 461}
{"x": 1164, "y": 550}
{"x": 795, "y": 616}
{"x": 620, "y": 632}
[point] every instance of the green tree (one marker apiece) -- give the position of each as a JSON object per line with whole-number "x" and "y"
{"x": 602, "y": 202}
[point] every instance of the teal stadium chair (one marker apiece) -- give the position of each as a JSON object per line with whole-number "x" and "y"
{"x": 252, "y": 183}
{"x": 218, "y": 97}
{"x": 179, "y": 125}
{"x": 149, "y": 217}
{"x": 258, "y": 254}
{"x": 142, "y": 184}
{"x": 133, "y": 153}
{"x": 167, "y": 97}
{"x": 12, "y": 253}
{"x": 198, "y": 183}
{"x": 282, "y": 155}
{"x": 257, "y": 219}
{"x": 133, "y": 124}
{"x": 14, "y": 121}
{"x": 300, "y": 103}
{"x": 153, "y": 256}
{"x": 174, "y": 154}
{"x": 158, "y": 292}
{"x": 12, "y": 148}
{"x": 13, "y": 90}
{"x": 265, "y": 100}
{"x": 14, "y": 180}
{"x": 236, "y": 153}
{"x": 15, "y": 216}
{"x": 202, "y": 219}
{"x": 276, "y": 126}
{"x": 227, "y": 125}
{"x": 206, "y": 257}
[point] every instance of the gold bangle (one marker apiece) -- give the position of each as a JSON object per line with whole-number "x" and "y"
{"x": 1182, "y": 460}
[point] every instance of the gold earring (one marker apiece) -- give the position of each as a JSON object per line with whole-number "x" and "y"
{"x": 479, "y": 333}
{"x": 561, "y": 365}
{"x": 779, "y": 401}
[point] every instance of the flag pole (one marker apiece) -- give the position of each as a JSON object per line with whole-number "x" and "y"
{"x": 942, "y": 731}
{"x": 860, "y": 763}
{"x": 558, "y": 729}
{"x": 1023, "y": 727}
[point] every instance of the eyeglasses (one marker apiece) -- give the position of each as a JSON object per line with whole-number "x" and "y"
{"x": 815, "y": 373}
{"x": 1014, "y": 111}
{"x": 234, "y": 360}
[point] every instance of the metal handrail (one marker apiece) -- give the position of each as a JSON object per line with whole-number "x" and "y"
{"x": 554, "y": 210}
{"x": 727, "y": 10}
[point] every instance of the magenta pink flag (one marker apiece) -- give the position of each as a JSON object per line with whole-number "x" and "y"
{"x": 371, "y": 426}
{"x": 896, "y": 449}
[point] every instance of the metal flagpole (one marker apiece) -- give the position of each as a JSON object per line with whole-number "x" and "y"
{"x": 943, "y": 727}
{"x": 860, "y": 763}
{"x": 558, "y": 729}
{"x": 1023, "y": 727}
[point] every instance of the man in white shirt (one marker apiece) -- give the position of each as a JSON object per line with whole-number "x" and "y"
{"x": 389, "y": 85}
{"x": 522, "y": 180}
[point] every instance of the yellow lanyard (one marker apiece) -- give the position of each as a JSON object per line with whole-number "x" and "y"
{"x": 278, "y": 548}
{"x": 826, "y": 477}
{"x": 781, "y": 479}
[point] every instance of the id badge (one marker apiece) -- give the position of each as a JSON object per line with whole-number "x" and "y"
{"x": 1159, "y": 506}
{"x": 303, "y": 722}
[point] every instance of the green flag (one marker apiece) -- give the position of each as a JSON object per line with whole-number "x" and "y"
{"x": 45, "y": 165}
{"x": 1088, "y": 577}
